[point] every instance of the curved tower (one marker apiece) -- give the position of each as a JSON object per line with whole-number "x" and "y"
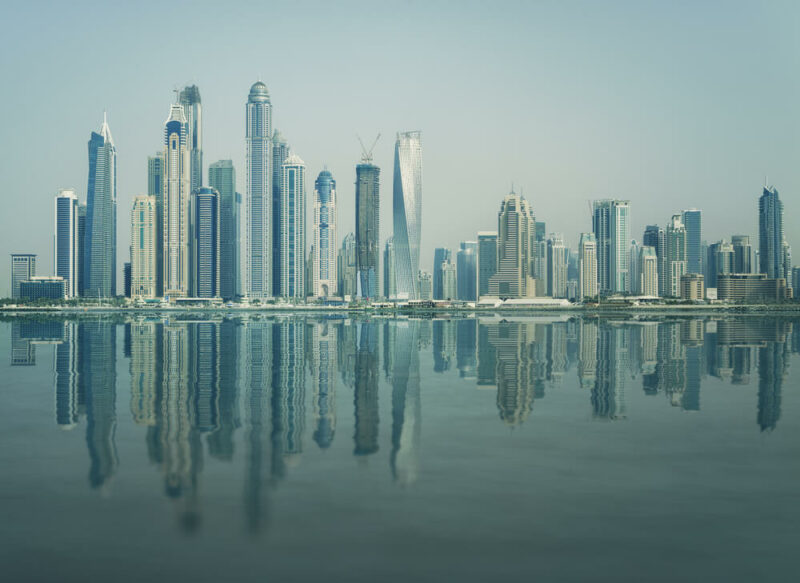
{"x": 324, "y": 269}
{"x": 407, "y": 212}
{"x": 258, "y": 203}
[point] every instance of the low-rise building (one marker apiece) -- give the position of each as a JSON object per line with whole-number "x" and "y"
{"x": 751, "y": 287}
{"x": 692, "y": 287}
{"x": 43, "y": 288}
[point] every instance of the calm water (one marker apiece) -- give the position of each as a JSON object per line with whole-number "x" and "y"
{"x": 298, "y": 449}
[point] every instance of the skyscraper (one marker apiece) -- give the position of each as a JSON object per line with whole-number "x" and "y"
{"x": 440, "y": 256}
{"x": 280, "y": 151}
{"x": 692, "y": 221}
{"x": 610, "y": 222}
{"x": 675, "y": 256}
{"x": 648, "y": 271}
{"x": 176, "y": 205}
{"x": 293, "y": 227}
{"x": 100, "y": 246}
{"x": 389, "y": 280}
{"x": 23, "y": 268}
{"x": 771, "y": 248}
{"x": 347, "y": 267}
{"x": 368, "y": 225}
{"x": 407, "y": 212}
{"x": 487, "y": 260}
{"x": 81, "y": 247}
{"x": 205, "y": 243}
{"x": 66, "y": 240}
{"x": 155, "y": 188}
{"x": 587, "y": 266}
{"x": 222, "y": 178}
{"x": 258, "y": 202}
{"x": 324, "y": 274}
{"x": 425, "y": 285}
{"x": 449, "y": 272}
{"x": 143, "y": 247}
{"x": 633, "y": 267}
{"x": 743, "y": 254}
{"x": 515, "y": 228}
{"x": 189, "y": 99}
{"x": 655, "y": 237}
{"x": 556, "y": 266}
{"x": 467, "y": 268}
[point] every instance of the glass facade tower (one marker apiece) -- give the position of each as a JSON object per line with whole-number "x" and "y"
{"x": 189, "y": 99}
{"x": 771, "y": 243}
{"x": 324, "y": 277}
{"x": 205, "y": 243}
{"x": 258, "y": 203}
{"x": 222, "y": 178}
{"x": 293, "y": 227}
{"x": 407, "y": 212}
{"x": 368, "y": 227}
{"x": 66, "y": 240}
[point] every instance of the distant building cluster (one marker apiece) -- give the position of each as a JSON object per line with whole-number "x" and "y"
{"x": 195, "y": 241}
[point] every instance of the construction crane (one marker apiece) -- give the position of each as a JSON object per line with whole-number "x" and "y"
{"x": 366, "y": 155}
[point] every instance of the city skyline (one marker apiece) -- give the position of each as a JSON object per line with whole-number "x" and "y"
{"x": 668, "y": 169}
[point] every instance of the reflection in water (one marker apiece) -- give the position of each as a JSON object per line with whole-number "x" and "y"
{"x": 187, "y": 376}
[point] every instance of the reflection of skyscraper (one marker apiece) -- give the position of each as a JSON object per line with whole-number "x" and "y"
{"x": 406, "y": 405}
{"x": 772, "y": 365}
{"x": 513, "y": 370}
{"x": 288, "y": 387}
{"x": 143, "y": 372}
{"x": 467, "y": 271}
{"x": 466, "y": 339}
{"x": 97, "y": 350}
{"x": 222, "y": 178}
{"x": 220, "y": 442}
{"x": 587, "y": 353}
{"x": 323, "y": 379}
{"x": 176, "y": 205}
{"x": 608, "y": 394}
{"x": 444, "y": 344}
{"x": 204, "y": 374}
{"x": 487, "y": 357}
{"x": 516, "y": 228}
{"x": 66, "y": 366}
{"x": 293, "y": 227}
{"x": 366, "y": 390}
{"x": 407, "y": 212}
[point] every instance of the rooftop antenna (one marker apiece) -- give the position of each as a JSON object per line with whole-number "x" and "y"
{"x": 512, "y": 187}
{"x": 366, "y": 155}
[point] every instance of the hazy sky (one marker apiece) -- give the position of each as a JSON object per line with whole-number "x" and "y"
{"x": 669, "y": 104}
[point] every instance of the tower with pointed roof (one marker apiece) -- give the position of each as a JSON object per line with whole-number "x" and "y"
{"x": 177, "y": 188}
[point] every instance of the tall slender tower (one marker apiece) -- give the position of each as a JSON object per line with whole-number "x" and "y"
{"x": 389, "y": 280}
{"x": 143, "y": 247}
{"x": 441, "y": 255}
{"x": 155, "y": 188}
{"x": 100, "y": 246}
{"x": 467, "y": 271}
{"x": 205, "y": 243}
{"x": 693, "y": 222}
{"x": 324, "y": 269}
{"x": 487, "y": 260}
{"x": 189, "y": 99}
{"x": 368, "y": 225}
{"x": 610, "y": 222}
{"x": 771, "y": 248}
{"x": 587, "y": 266}
{"x": 222, "y": 178}
{"x": 676, "y": 256}
{"x": 407, "y": 212}
{"x": 258, "y": 204}
{"x": 655, "y": 237}
{"x": 280, "y": 151}
{"x": 176, "y": 205}
{"x": 66, "y": 240}
{"x": 293, "y": 227}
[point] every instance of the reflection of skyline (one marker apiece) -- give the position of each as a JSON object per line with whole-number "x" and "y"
{"x": 186, "y": 378}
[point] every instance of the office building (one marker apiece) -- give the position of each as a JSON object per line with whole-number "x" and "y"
{"x": 587, "y": 266}
{"x": 23, "y": 268}
{"x": 293, "y": 227}
{"x": 126, "y": 278}
{"x": 176, "y": 203}
{"x": 222, "y": 178}
{"x": 440, "y": 256}
{"x": 487, "y": 260}
{"x": 610, "y": 224}
{"x": 407, "y": 212}
{"x": 368, "y": 225}
{"x": 557, "y": 263}
{"x": 796, "y": 281}
{"x": 348, "y": 267}
{"x": 324, "y": 274}
{"x": 692, "y": 287}
{"x": 189, "y": 98}
{"x": 205, "y": 243}
{"x": 467, "y": 269}
{"x": 720, "y": 259}
{"x": 100, "y": 245}
{"x": 66, "y": 240}
{"x": 449, "y": 273}
{"x": 144, "y": 264}
{"x": 655, "y": 237}
{"x": 258, "y": 196}
{"x": 389, "y": 280}
{"x": 155, "y": 188}
{"x": 751, "y": 287}
{"x": 280, "y": 151}
{"x": 425, "y": 285}
{"x": 742, "y": 254}
{"x": 693, "y": 223}
{"x": 648, "y": 271}
{"x": 515, "y": 227}
{"x": 633, "y": 267}
{"x": 771, "y": 242}
{"x": 675, "y": 256}
{"x": 44, "y": 287}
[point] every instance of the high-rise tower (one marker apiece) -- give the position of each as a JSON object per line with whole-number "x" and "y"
{"x": 516, "y": 234}
{"x": 692, "y": 221}
{"x": 222, "y": 178}
{"x": 66, "y": 240}
{"x": 487, "y": 260}
{"x": 205, "y": 243}
{"x": 258, "y": 201}
{"x": 280, "y": 151}
{"x": 155, "y": 188}
{"x": 368, "y": 225}
{"x": 389, "y": 280}
{"x": 771, "y": 243}
{"x": 143, "y": 247}
{"x": 610, "y": 222}
{"x": 293, "y": 227}
{"x": 100, "y": 245}
{"x": 407, "y": 212}
{"x": 176, "y": 216}
{"x": 675, "y": 256}
{"x": 655, "y": 237}
{"x": 324, "y": 275}
{"x": 189, "y": 99}
{"x": 587, "y": 266}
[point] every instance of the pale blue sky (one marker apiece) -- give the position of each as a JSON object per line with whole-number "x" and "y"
{"x": 669, "y": 104}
